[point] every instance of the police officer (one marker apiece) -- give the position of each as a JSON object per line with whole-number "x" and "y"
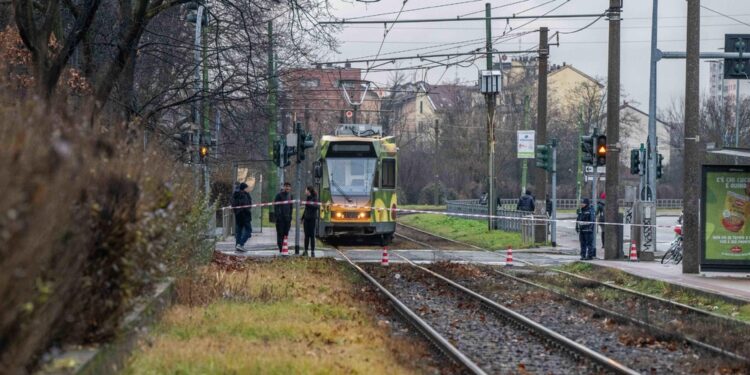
{"x": 585, "y": 229}
{"x": 526, "y": 202}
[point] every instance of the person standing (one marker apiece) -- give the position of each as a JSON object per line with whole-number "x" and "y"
{"x": 526, "y": 202}
{"x": 310, "y": 218}
{"x": 283, "y": 214}
{"x": 600, "y": 214}
{"x": 548, "y": 205}
{"x": 585, "y": 229}
{"x": 243, "y": 230}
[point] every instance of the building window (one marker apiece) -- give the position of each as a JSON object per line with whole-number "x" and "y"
{"x": 420, "y": 106}
{"x": 309, "y": 83}
{"x": 389, "y": 173}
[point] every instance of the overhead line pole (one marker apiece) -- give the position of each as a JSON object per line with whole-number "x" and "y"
{"x": 692, "y": 174}
{"x": 457, "y": 19}
{"x": 540, "y": 175}
{"x": 612, "y": 248}
{"x": 490, "y": 101}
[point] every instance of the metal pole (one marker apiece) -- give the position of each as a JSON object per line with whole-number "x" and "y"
{"x": 197, "y": 105}
{"x": 579, "y": 170}
{"x": 490, "y": 101}
{"x": 611, "y": 248}
{"x": 594, "y": 202}
{"x": 691, "y": 180}
{"x": 737, "y": 119}
{"x": 540, "y": 175}
{"x": 299, "y": 190}
{"x": 554, "y": 193}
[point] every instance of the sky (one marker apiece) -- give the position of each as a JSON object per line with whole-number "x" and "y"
{"x": 585, "y": 49}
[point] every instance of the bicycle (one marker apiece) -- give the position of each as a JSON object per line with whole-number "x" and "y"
{"x": 674, "y": 254}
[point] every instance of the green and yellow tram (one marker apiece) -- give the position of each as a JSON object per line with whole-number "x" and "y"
{"x": 356, "y": 177}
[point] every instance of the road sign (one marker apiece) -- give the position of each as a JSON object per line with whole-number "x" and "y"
{"x": 526, "y": 144}
{"x": 591, "y": 178}
{"x": 349, "y": 114}
{"x": 600, "y": 170}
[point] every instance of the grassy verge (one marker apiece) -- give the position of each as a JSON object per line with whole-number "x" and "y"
{"x": 661, "y": 289}
{"x": 282, "y": 317}
{"x": 473, "y": 232}
{"x": 427, "y": 207}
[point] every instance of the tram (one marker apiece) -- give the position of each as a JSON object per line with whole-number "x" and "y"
{"x": 356, "y": 177}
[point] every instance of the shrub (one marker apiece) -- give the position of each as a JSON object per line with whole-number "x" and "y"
{"x": 89, "y": 221}
{"x": 429, "y": 193}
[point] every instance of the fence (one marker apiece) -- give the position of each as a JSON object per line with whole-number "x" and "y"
{"x": 572, "y": 204}
{"x": 472, "y": 206}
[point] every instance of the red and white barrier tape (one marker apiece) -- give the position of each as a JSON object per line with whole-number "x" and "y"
{"x": 482, "y": 216}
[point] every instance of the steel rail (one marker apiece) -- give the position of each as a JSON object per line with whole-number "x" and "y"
{"x": 594, "y": 356}
{"x": 630, "y": 319}
{"x": 439, "y": 341}
{"x": 615, "y": 314}
{"x": 656, "y": 298}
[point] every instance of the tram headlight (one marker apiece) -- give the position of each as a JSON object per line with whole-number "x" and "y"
{"x": 361, "y": 215}
{"x": 339, "y": 215}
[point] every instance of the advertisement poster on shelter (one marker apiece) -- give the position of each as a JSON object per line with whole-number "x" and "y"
{"x": 726, "y": 218}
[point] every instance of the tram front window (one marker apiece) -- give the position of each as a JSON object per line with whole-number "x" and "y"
{"x": 351, "y": 176}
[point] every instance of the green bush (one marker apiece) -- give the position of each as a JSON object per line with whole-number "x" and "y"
{"x": 429, "y": 193}
{"x": 89, "y": 221}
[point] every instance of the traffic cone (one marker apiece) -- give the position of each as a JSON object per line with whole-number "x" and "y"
{"x": 509, "y": 256}
{"x": 384, "y": 259}
{"x": 285, "y": 247}
{"x": 633, "y": 252}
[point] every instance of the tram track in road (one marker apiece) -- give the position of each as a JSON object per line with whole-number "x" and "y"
{"x": 495, "y": 338}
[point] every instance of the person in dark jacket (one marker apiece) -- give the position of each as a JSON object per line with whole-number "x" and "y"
{"x": 310, "y": 218}
{"x": 585, "y": 229}
{"x": 283, "y": 214}
{"x": 242, "y": 216}
{"x": 526, "y": 202}
{"x": 600, "y": 214}
{"x": 548, "y": 205}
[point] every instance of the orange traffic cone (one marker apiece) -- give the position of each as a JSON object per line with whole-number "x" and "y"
{"x": 509, "y": 256}
{"x": 285, "y": 247}
{"x": 384, "y": 259}
{"x": 633, "y": 252}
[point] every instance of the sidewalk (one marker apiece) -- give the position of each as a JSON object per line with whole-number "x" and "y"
{"x": 735, "y": 287}
{"x": 259, "y": 244}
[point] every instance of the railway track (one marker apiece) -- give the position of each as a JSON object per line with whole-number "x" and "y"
{"x": 713, "y": 333}
{"x": 480, "y": 334}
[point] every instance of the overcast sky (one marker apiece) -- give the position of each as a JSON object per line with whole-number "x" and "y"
{"x": 586, "y": 50}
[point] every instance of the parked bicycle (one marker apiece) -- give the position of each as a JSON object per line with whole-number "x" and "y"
{"x": 674, "y": 254}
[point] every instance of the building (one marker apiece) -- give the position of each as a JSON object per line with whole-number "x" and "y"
{"x": 413, "y": 112}
{"x": 725, "y": 89}
{"x": 572, "y": 88}
{"x": 634, "y": 131}
{"x": 317, "y": 97}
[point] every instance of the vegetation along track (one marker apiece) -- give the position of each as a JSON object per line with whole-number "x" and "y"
{"x": 495, "y": 338}
{"x": 638, "y": 346}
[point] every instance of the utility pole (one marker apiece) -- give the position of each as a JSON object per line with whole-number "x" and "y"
{"x": 579, "y": 170}
{"x": 612, "y": 248}
{"x": 553, "y": 236}
{"x": 540, "y": 176}
{"x": 490, "y": 101}
{"x": 197, "y": 106}
{"x": 692, "y": 174}
{"x": 298, "y": 131}
{"x": 273, "y": 184}
{"x": 206, "y": 106}
{"x": 524, "y": 162}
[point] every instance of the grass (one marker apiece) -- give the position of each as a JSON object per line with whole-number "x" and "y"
{"x": 283, "y": 317}
{"x": 427, "y": 207}
{"x": 661, "y": 289}
{"x": 473, "y": 232}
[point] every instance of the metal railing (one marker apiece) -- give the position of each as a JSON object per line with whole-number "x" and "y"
{"x": 572, "y": 204}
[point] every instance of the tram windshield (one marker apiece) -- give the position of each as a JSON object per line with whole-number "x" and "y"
{"x": 351, "y": 176}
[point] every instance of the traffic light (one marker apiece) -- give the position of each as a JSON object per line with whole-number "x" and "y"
{"x": 203, "y": 152}
{"x": 601, "y": 150}
{"x": 543, "y": 157}
{"x": 587, "y": 146}
{"x": 635, "y": 161}
{"x": 659, "y": 166}
{"x": 280, "y": 153}
{"x": 304, "y": 141}
{"x": 276, "y": 151}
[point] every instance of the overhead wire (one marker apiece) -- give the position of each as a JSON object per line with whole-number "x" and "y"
{"x": 497, "y": 7}
{"x": 725, "y": 15}
{"x": 415, "y": 9}
{"x": 385, "y": 35}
